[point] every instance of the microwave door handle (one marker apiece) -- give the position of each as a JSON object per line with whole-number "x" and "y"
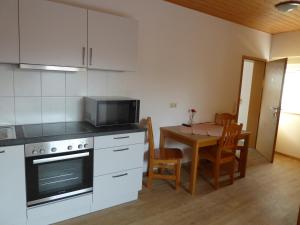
{"x": 60, "y": 158}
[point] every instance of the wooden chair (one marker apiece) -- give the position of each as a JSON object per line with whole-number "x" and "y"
{"x": 224, "y": 118}
{"x": 224, "y": 152}
{"x": 166, "y": 158}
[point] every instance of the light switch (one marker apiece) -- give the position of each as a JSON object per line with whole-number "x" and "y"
{"x": 173, "y": 105}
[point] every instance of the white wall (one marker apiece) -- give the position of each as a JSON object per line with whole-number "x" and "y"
{"x": 245, "y": 92}
{"x": 185, "y": 57}
{"x": 285, "y": 45}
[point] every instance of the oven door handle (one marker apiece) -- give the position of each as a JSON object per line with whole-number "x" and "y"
{"x": 60, "y": 158}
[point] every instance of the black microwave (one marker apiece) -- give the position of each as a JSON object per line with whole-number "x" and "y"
{"x": 109, "y": 111}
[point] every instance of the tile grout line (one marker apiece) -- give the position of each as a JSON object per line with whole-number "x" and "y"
{"x": 14, "y": 93}
{"x": 65, "y": 96}
{"x": 41, "y": 93}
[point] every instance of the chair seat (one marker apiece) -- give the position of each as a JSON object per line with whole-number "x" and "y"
{"x": 168, "y": 153}
{"x": 211, "y": 154}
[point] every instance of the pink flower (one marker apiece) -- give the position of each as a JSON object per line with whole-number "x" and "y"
{"x": 192, "y": 110}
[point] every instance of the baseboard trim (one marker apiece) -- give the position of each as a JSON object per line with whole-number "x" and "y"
{"x": 288, "y": 156}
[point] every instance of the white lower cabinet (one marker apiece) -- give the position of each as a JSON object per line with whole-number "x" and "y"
{"x": 12, "y": 186}
{"x": 116, "y": 188}
{"x": 59, "y": 211}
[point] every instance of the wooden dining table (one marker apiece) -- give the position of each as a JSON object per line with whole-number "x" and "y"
{"x": 199, "y": 136}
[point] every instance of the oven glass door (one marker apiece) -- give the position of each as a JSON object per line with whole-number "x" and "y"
{"x": 58, "y": 176}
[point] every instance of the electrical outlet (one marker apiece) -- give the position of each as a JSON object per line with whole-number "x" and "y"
{"x": 173, "y": 105}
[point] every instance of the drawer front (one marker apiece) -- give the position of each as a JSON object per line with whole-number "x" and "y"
{"x": 59, "y": 211}
{"x": 116, "y": 188}
{"x": 119, "y": 140}
{"x": 110, "y": 160}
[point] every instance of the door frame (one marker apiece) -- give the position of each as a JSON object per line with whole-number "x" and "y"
{"x": 244, "y": 57}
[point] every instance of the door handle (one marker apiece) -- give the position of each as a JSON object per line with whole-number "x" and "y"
{"x": 121, "y": 175}
{"x": 2, "y": 152}
{"x": 83, "y": 55}
{"x": 121, "y": 150}
{"x": 117, "y": 138}
{"x": 91, "y": 56}
{"x": 276, "y": 111}
{"x": 60, "y": 158}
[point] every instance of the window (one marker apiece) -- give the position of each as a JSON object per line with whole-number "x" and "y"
{"x": 291, "y": 90}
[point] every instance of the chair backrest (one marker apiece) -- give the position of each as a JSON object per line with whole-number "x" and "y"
{"x": 224, "y": 119}
{"x": 150, "y": 138}
{"x": 230, "y": 137}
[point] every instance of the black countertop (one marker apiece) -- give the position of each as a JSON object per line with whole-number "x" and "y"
{"x": 35, "y": 133}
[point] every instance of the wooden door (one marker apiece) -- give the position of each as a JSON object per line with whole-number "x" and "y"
{"x": 112, "y": 42}
{"x": 270, "y": 108}
{"x": 52, "y": 34}
{"x": 9, "y": 38}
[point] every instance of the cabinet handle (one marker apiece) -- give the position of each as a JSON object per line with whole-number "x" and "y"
{"x": 121, "y": 150}
{"x": 121, "y": 175}
{"x": 91, "y": 56}
{"x": 121, "y": 137}
{"x": 83, "y": 55}
{"x": 1, "y": 152}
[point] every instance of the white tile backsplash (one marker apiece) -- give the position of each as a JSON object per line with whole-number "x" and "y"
{"x": 76, "y": 84}
{"x": 74, "y": 108}
{"x": 32, "y": 96}
{"x": 53, "y": 83}
{"x": 6, "y": 80}
{"x": 28, "y": 110}
{"x": 53, "y": 109}
{"x": 97, "y": 83}
{"x": 7, "y": 111}
{"x": 27, "y": 83}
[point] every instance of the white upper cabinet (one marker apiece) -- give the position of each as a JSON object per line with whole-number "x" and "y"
{"x": 9, "y": 33}
{"x": 52, "y": 34}
{"x": 12, "y": 186}
{"x": 112, "y": 42}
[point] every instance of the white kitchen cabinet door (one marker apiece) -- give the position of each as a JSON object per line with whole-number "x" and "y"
{"x": 9, "y": 37}
{"x": 117, "y": 188}
{"x": 112, "y": 42}
{"x": 12, "y": 186}
{"x": 52, "y": 34}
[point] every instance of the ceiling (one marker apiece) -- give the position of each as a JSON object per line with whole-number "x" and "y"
{"x": 258, "y": 14}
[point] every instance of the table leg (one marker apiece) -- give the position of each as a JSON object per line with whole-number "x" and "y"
{"x": 243, "y": 158}
{"x": 162, "y": 140}
{"x": 194, "y": 169}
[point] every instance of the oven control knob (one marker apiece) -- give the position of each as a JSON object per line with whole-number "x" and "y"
{"x": 80, "y": 146}
{"x": 86, "y": 145}
{"x": 34, "y": 152}
{"x": 42, "y": 151}
{"x": 53, "y": 149}
{"x": 70, "y": 147}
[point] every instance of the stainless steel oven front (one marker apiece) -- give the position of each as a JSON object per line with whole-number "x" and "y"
{"x": 58, "y": 169}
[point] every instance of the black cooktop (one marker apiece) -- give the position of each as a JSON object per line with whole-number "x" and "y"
{"x": 53, "y": 129}
{"x": 35, "y": 133}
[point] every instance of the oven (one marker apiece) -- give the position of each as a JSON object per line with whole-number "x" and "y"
{"x": 59, "y": 169}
